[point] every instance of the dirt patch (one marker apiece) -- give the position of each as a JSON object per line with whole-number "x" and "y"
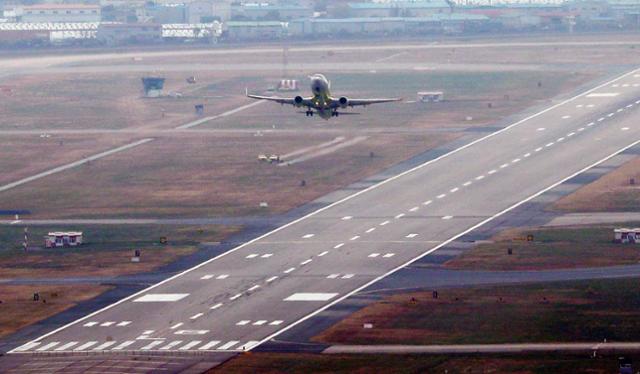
{"x": 572, "y": 311}
{"x": 18, "y": 308}
{"x": 612, "y": 192}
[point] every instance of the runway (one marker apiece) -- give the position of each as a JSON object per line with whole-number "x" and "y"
{"x": 262, "y": 288}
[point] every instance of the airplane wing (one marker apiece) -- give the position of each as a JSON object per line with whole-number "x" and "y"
{"x": 364, "y": 102}
{"x": 284, "y": 100}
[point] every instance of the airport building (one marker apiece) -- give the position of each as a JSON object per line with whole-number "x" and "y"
{"x": 60, "y": 239}
{"x": 269, "y": 12}
{"x": 257, "y": 30}
{"x": 52, "y": 13}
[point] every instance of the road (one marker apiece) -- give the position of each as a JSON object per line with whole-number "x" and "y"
{"x": 583, "y": 348}
{"x": 248, "y": 295}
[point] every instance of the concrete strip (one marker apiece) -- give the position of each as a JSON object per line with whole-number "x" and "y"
{"x": 325, "y": 151}
{"x": 484, "y": 348}
{"x": 73, "y": 164}
{"x": 594, "y": 218}
{"x": 225, "y": 114}
{"x": 313, "y": 148}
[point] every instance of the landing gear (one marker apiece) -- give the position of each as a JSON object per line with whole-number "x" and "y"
{"x": 309, "y": 113}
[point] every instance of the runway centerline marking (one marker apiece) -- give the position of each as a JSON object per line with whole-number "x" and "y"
{"x": 337, "y": 246}
{"x": 311, "y": 296}
{"x": 161, "y": 297}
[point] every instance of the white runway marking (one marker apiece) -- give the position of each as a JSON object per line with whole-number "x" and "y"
{"x": 540, "y": 129}
{"x": 415, "y": 208}
{"x": 411, "y": 236}
{"x": 196, "y": 316}
{"x": 442, "y": 195}
{"x": 225, "y": 114}
{"x": 373, "y": 255}
{"x": 308, "y": 236}
{"x": 189, "y": 345}
{"x": 480, "y": 177}
{"x": 234, "y": 297}
{"x": 346, "y": 218}
{"x": 276, "y": 323}
{"x": 526, "y": 155}
{"x": 211, "y": 344}
{"x": 538, "y": 149}
{"x": 384, "y": 223}
{"x": 260, "y": 322}
{"x": 566, "y": 117}
{"x": 447, "y": 217}
{"x": 333, "y": 276}
{"x": 254, "y": 288}
{"x": 492, "y": 171}
{"x": 176, "y": 325}
{"x": 85, "y": 346}
{"x": 47, "y": 346}
{"x": 603, "y": 94}
{"x": 171, "y": 345}
{"x": 455, "y": 189}
{"x": 104, "y": 346}
{"x": 399, "y": 216}
{"x": 266, "y": 255}
{"x": 467, "y": 183}
{"x": 428, "y": 202}
{"x": 191, "y": 332}
{"x": 571, "y": 134}
{"x": 218, "y": 305}
{"x": 289, "y": 270}
{"x": 28, "y": 346}
{"x": 152, "y": 345}
{"x": 160, "y": 297}
{"x": 323, "y": 253}
{"x": 311, "y": 296}
{"x": 273, "y": 278}
{"x": 228, "y": 345}
{"x": 581, "y": 129}
{"x": 348, "y": 276}
{"x": 222, "y": 276}
{"x": 305, "y": 262}
{"x": 243, "y": 322}
{"x": 89, "y": 324}
{"x": 123, "y": 345}
{"x": 252, "y": 255}
{"x": 370, "y": 230}
{"x": 624, "y": 129}
{"x": 355, "y": 237}
{"x": 123, "y": 323}
{"x": 338, "y": 246}
{"x": 387, "y": 255}
{"x": 552, "y": 143}
{"x": 107, "y": 324}
{"x": 515, "y": 160}
{"x": 66, "y": 346}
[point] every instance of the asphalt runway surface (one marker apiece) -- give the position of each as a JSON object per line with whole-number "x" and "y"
{"x": 253, "y": 293}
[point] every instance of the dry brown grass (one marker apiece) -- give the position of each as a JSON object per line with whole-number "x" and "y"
{"x": 19, "y": 310}
{"x": 610, "y": 193}
{"x": 209, "y": 176}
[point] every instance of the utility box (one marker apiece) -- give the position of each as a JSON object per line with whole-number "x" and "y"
{"x": 153, "y": 86}
{"x": 626, "y": 236}
{"x": 430, "y": 96}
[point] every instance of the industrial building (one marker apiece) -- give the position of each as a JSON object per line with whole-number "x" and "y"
{"x": 51, "y": 13}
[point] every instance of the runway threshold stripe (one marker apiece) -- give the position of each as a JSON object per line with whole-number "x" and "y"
{"x": 211, "y": 344}
{"x": 228, "y": 345}
{"x": 66, "y": 346}
{"x": 47, "y": 346}
{"x": 190, "y": 345}
{"x": 124, "y": 345}
{"x": 28, "y": 346}
{"x": 104, "y": 346}
{"x": 85, "y": 346}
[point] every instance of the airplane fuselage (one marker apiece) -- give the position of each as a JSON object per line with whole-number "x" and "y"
{"x": 320, "y": 88}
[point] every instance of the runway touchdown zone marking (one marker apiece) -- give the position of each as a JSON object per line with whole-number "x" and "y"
{"x": 311, "y": 296}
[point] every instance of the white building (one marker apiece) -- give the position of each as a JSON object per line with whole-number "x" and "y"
{"x": 63, "y": 239}
{"x": 50, "y": 13}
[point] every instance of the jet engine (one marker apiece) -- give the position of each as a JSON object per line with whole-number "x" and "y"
{"x": 343, "y": 101}
{"x": 298, "y": 100}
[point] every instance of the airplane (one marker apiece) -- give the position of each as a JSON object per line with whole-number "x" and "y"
{"x": 322, "y": 102}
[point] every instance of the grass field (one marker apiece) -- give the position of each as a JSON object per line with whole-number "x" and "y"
{"x": 107, "y": 250}
{"x": 553, "y": 312}
{"x": 20, "y": 310}
{"x": 318, "y": 363}
{"x": 552, "y": 248}
{"x": 209, "y": 176}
